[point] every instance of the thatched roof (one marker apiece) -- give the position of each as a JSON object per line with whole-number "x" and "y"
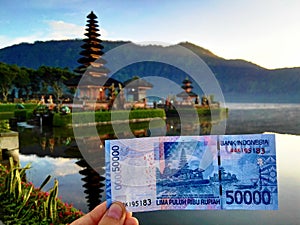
{"x": 92, "y": 81}
{"x": 137, "y": 82}
{"x": 184, "y": 94}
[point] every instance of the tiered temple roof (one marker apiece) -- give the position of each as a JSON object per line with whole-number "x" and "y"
{"x": 92, "y": 48}
{"x": 187, "y": 87}
{"x": 92, "y": 74}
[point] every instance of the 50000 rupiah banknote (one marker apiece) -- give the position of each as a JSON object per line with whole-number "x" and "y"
{"x": 193, "y": 172}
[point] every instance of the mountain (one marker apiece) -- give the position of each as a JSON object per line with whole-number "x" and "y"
{"x": 62, "y": 54}
{"x": 239, "y": 80}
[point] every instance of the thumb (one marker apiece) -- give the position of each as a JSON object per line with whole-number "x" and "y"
{"x": 115, "y": 215}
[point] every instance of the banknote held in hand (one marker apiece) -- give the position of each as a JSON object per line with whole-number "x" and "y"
{"x": 214, "y": 172}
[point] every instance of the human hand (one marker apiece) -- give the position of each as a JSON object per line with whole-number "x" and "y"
{"x": 115, "y": 215}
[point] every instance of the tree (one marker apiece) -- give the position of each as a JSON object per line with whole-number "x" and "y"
{"x": 54, "y": 78}
{"x": 7, "y": 75}
{"x": 35, "y": 83}
{"x": 23, "y": 82}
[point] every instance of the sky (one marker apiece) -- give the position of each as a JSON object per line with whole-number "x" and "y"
{"x": 264, "y": 32}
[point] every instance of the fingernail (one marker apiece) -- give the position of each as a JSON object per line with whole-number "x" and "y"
{"x": 115, "y": 211}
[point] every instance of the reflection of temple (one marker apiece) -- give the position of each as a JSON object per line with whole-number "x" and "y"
{"x": 205, "y": 127}
{"x": 94, "y": 184}
{"x": 174, "y": 126}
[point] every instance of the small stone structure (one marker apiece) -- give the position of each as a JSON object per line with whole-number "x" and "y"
{"x": 9, "y": 145}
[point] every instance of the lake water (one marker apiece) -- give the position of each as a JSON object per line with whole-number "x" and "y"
{"x": 54, "y": 152}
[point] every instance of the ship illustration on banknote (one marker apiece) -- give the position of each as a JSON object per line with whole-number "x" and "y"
{"x": 192, "y": 177}
{"x": 229, "y": 178}
{"x": 182, "y": 177}
{"x": 224, "y": 177}
{"x": 187, "y": 172}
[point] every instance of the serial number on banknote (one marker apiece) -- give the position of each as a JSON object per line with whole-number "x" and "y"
{"x": 138, "y": 203}
{"x": 248, "y": 150}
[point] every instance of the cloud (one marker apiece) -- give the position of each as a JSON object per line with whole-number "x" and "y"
{"x": 55, "y": 30}
{"x": 8, "y": 41}
{"x": 59, "y": 30}
{"x": 57, "y": 167}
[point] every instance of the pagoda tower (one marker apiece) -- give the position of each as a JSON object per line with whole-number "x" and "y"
{"x": 92, "y": 50}
{"x": 187, "y": 95}
{"x": 93, "y": 184}
{"x": 92, "y": 80}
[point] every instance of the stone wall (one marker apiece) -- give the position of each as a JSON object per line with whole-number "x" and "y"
{"x": 9, "y": 145}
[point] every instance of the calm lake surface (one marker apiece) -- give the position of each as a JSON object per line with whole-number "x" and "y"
{"x": 54, "y": 152}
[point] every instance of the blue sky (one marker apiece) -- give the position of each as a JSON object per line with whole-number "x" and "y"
{"x": 265, "y": 32}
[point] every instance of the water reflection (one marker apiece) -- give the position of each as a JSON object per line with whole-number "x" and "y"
{"x": 81, "y": 177}
{"x": 62, "y": 163}
{"x": 65, "y": 170}
{"x": 204, "y": 127}
{"x": 93, "y": 184}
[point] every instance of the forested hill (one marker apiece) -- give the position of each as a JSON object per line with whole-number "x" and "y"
{"x": 239, "y": 80}
{"x": 62, "y": 54}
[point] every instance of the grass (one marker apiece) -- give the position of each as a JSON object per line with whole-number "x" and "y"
{"x": 105, "y": 116}
{"x": 9, "y": 110}
{"x": 22, "y": 203}
{"x": 6, "y": 115}
{"x": 11, "y": 107}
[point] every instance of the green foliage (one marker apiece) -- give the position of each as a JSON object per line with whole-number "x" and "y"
{"x": 59, "y": 53}
{"x": 11, "y": 107}
{"x": 147, "y": 113}
{"x": 62, "y": 120}
{"x": 7, "y": 107}
{"x": 54, "y": 78}
{"x": 8, "y": 73}
{"x": 105, "y": 116}
{"x": 202, "y": 112}
{"x": 4, "y": 126}
{"x": 22, "y": 203}
{"x": 237, "y": 78}
{"x": 6, "y": 115}
{"x": 9, "y": 110}
{"x": 31, "y": 83}
{"x": 23, "y": 114}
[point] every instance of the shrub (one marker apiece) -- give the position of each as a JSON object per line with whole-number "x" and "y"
{"x": 6, "y": 115}
{"x": 7, "y": 107}
{"x": 12, "y": 107}
{"x": 22, "y": 203}
{"x": 202, "y": 112}
{"x": 23, "y": 114}
{"x": 105, "y": 116}
{"x": 61, "y": 120}
{"x": 147, "y": 113}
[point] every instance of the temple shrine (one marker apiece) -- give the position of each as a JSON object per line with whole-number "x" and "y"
{"x": 136, "y": 88}
{"x": 91, "y": 81}
{"x": 187, "y": 95}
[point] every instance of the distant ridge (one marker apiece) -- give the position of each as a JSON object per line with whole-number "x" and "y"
{"x": 62, "y": 54}
{"x": 240, "y": 80}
